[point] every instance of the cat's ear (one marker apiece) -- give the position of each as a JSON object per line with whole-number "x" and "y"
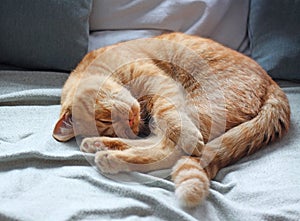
{"x": 63, "y": 130}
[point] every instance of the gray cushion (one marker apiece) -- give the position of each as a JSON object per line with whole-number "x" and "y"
{"x": 274, "y": 29}
{"x": 44, "y": 34}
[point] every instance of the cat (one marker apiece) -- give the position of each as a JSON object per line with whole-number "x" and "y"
{"x": 172, "y": 101}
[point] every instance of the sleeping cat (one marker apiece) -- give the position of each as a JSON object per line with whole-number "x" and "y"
{"x": 174, "y": 100}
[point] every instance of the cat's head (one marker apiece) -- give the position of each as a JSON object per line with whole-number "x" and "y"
{"x": 100, "y": 107}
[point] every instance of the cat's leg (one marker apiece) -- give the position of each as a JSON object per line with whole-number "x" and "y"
{"x": 144, "y": 155}
{"x": 160, "y": 154}
{"x": 115, "y": 155}
{"x": 168, "y": 120}
{"x": 173, "y": 135}
{"x": 158, "y": 151}
{"x": 187, "y": 138}
{"x": 179, "y": 128}
{"x": 95, "y": 144}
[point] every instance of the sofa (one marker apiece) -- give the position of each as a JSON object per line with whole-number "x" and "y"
{"x": 41, "y": 42}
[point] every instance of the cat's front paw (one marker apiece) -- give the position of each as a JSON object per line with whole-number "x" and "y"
{"x": 109, "y": 162}
{"x": 95, "y": 144}
{"x": 92, "y": 145}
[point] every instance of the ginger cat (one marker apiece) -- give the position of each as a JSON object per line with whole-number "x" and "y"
{"x": 174, "y": 100}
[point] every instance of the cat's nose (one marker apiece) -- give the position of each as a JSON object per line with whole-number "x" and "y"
{"x": 131, "y": 121}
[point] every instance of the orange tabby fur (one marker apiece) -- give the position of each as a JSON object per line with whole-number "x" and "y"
{"x": 230, "y": 109}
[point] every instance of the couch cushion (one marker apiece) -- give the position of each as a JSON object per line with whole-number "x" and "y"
{"x": 44, "y": 34}
{"x": 223, "y": 21}
{"x": 275, "y": 37}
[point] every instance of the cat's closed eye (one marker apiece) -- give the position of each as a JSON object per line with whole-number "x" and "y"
{"x": 107, "y": 122}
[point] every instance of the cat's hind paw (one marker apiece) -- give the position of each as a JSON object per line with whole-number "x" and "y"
{"x": 92, "y": 145}
{"x": 109, "y": 162}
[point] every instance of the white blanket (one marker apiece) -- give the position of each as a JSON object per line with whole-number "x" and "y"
{"x": 42, "y": 179}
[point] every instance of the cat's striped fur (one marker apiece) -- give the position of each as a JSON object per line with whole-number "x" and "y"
{"x": 197, "y": 105}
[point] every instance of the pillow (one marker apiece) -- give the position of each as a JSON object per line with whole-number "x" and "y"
{"x": 44, "y": 34}
{"x": 274, "y": 29}
{"x": 223, "y": 21}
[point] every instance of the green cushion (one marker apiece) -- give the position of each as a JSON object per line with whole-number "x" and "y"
{"x": 44, "y": 34}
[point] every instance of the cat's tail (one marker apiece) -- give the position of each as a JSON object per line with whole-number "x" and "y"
{"x": 191, "y": 175}
{"x": 191, "y": 181}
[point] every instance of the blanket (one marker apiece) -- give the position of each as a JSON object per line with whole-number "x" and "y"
{"x": 42, "y": 179}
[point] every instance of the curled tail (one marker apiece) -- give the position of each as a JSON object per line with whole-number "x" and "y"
{"x": 191, "y": 174}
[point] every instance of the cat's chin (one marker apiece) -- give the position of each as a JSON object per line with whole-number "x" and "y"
{"x": 126, "y": 135}
{"x": 132, "y": 133}
{"x": 124, "y": 131}
{"x": 131, "y": 136}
